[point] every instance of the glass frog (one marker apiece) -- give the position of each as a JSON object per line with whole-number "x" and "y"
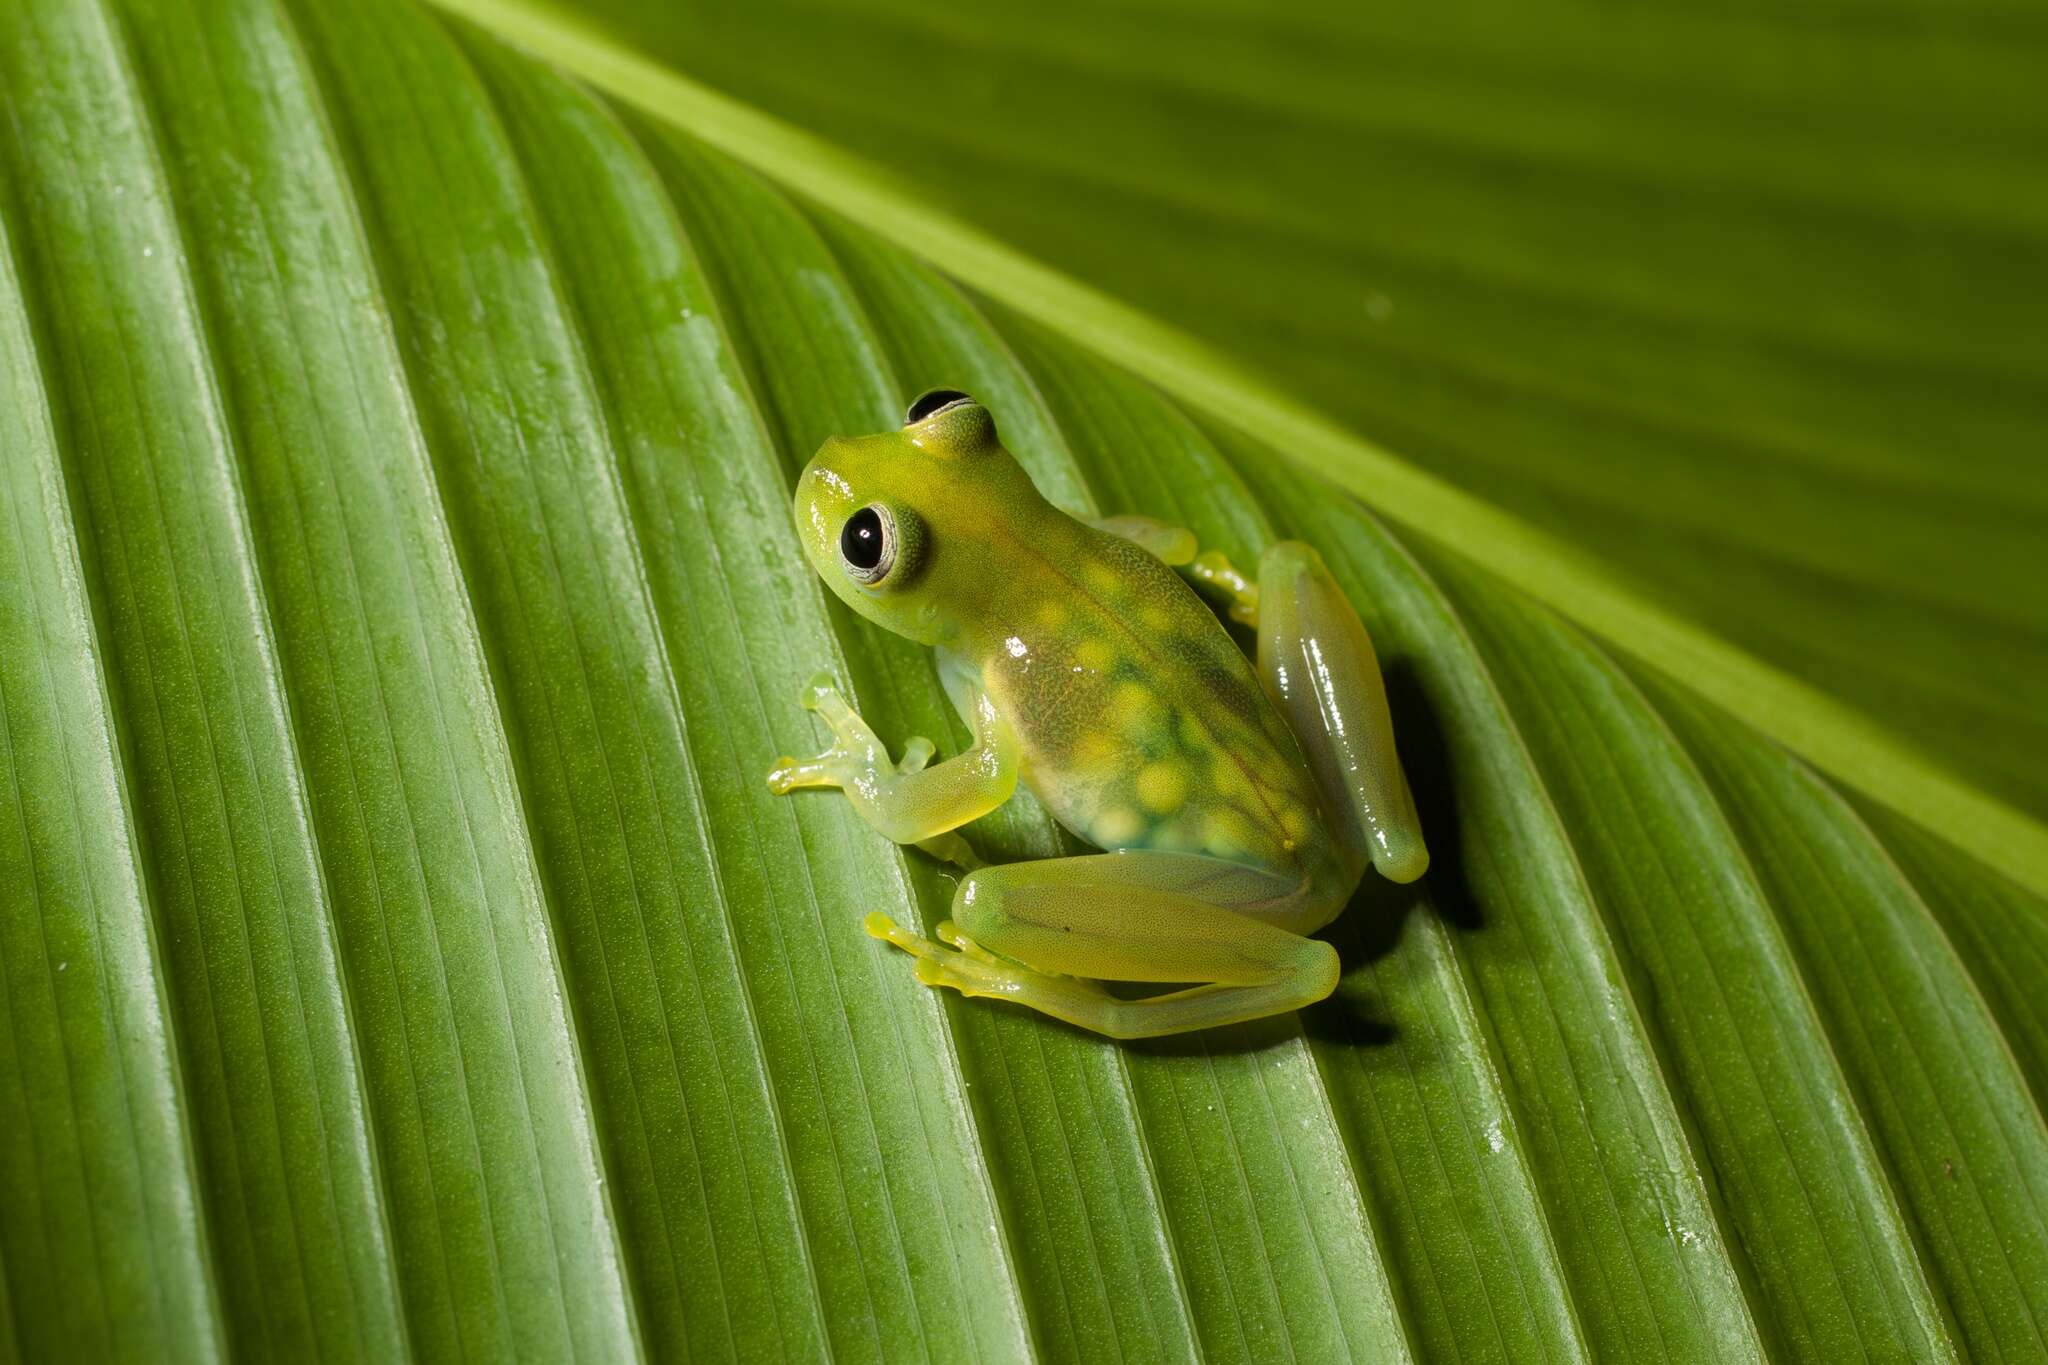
{"x": 1237, "y": 807}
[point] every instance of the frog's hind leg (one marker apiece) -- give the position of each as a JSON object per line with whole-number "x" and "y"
{"x": 1319, "y": 663}
{"x": 1044, "y": 933}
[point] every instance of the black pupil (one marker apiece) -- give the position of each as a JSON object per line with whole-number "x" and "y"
{"x": 929, "y": 403}
{"x": 861, "y": 541}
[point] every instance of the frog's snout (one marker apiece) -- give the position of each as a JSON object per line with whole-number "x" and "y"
{"x": 825, "y": 466}
{"x": 822, "y": 494}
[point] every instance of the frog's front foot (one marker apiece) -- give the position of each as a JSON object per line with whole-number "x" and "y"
{"x": 856, "y": 753}
{"x": 788, "y": 774}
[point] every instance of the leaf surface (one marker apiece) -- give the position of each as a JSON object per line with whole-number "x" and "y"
{"x": 402, "y": 953}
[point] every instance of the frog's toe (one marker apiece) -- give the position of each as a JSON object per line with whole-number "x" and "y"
{"x": 826, "y": 770}
{"x": 974, "y": 971}
{"x": 917, "y": 751}
{"x": 888, "y": 930}
{"x": 816, "y": 692}
{"x": 965, "y": 966}
{"x": 955, "y": 972}
{"x": 1214, "y": 571}
{"x": 968, "y": 968}
{"x": 782, "y": 778}
{"x": 949, "y": 933}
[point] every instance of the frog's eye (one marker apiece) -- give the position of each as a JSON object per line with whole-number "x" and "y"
{"x": 868, "y": 543}
{"x": 932, "y": 402}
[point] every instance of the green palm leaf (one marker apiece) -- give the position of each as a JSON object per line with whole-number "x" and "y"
{"x": 401, "y": 954}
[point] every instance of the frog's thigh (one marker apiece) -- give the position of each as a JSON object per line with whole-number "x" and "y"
{"x": 1318, "y": 660}
{"x": 1143, "y": 917}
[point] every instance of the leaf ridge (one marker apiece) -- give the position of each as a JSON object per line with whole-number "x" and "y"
{"x": 1844, "y": 1118}
{"x": 1602, "y": 941}
{"x": 18, "y": 336}
{"x": 714, "y": 856}
{"x": 501, "y": 747}
{"x": 1877, "y": 917}
{"x": 465, "y": 643}
{"x": 757, "y": 409}
{"x": 571, "y": 333}
{"x": 248, "y": 577}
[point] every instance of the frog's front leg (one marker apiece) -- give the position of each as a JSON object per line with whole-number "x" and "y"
{"x": 909, "y": 802}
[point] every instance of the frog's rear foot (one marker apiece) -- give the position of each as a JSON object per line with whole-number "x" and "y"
{"x": 967, "y": 967}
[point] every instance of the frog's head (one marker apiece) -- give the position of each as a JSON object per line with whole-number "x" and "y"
{"x": 903, "y": 525}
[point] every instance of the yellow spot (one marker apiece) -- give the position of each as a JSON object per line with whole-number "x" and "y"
{"x": 1226, "y": 777}
{"x": 1223, "y": 833}
{"x": 1155, "y": 618}
{"x": 1092, "y": 748}
{"x": 1094, "y": 653}
{"x": 1163, "y": 786}
{"x": 1297, "y": 824}
{"x": 1052, "y": 613}
{"x": 1102, "y": 578}
{"x": 1117, "y": 826}
{"x": 1132, "y": 708}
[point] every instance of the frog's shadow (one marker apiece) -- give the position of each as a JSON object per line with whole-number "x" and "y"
{"x": 1371, "y": 924}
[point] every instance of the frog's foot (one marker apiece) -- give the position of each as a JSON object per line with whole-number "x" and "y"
{"x": 1217, "y": 574}
{"x": 967, "y": 967}
{"x": 949, "y": 933}
{"x": 888, "y": 930}
{"x": 962, "y": 963}
{"x": 856, "y": 751}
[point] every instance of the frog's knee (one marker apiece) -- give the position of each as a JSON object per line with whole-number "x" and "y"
{"x": 1289, "y": 561}
{"x": 1319, "y": 969}
{"x": 978, "y": 907}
